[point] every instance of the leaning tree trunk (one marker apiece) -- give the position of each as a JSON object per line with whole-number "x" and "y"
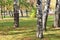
{"x": 57, "y": 14}
{"x": 16, "y": 14}
{"x": 45, "y": 13}
{"x": 39, "y": 19}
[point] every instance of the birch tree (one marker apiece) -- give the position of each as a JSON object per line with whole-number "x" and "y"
{"x": 16, "y": 14}
{"x": 57, "y": 14}
{"x": 45, "y": 13}
{"x": 39, "y": 19}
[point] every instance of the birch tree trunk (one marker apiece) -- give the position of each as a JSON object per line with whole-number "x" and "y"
{"x": 21, "y": 12}
{"x": 45, "y": 13}
{"x": 39, "y": 19}
{"x": 16, "y": 14}
{"x": 57, "y": 14}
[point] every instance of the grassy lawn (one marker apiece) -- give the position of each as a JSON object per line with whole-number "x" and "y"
{"x": 26, "y": 30}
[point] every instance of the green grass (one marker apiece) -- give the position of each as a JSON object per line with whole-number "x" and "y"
{"x": 27, "y": 30}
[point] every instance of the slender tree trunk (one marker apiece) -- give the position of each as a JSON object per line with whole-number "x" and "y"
{"x": 39, "y": 19}
{"x": 4, "y": 11}
{"x": 16, "y": 14}
{"x": 45, "y": 13}
{"x": 57, "y": 14}
{"x": 20, "y": 10}
{"x": 26, "y": 13}
{"x": 59, "y": 17}
{"x": 4, "y": 7}
{"x": 1, "y": 12}
{"x": 10, "y": 14}
{"x": 21, "y": 13}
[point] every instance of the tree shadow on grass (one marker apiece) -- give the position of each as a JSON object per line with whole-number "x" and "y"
{"x": 53, "y": 29}
{"x": 17, "y": 32}
{"x": 50, "y": 26}
{"x": 52, "y": 36}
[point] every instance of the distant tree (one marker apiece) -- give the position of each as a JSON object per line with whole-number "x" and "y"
{"x": 9, "y": 6}
{"x": 1, "y": 5}
{"x": 26, "y": 13}
{"x": 23, "y": 4}
{"x": 4, "y": 5}
{"x": 39, "y": 19}
{"x": 32, "y": 8}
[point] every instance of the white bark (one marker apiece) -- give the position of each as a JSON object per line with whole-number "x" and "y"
{"x": 39, "y": 19}
{"x": 45, "y": 13}
{"x": 57, "y": 13}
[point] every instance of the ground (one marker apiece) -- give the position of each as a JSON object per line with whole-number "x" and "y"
{"x": 27, "y": 30}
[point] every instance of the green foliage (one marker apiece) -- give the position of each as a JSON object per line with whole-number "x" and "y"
{"x": 9, "y": 2}
{"x": 33, "y": 13}
{"x": 2, "y": 2}
{"x": 24, "y": 3}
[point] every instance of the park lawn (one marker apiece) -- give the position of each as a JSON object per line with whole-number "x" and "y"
{"x": 27, "y": 30}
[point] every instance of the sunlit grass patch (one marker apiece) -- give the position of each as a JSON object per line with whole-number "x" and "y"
{"x": 27, "y": 30}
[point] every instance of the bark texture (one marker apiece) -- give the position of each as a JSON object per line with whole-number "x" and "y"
{"x": 45, "y": 13}
{"x": 39, "y": 19}
{"x": 16, "y": 14}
